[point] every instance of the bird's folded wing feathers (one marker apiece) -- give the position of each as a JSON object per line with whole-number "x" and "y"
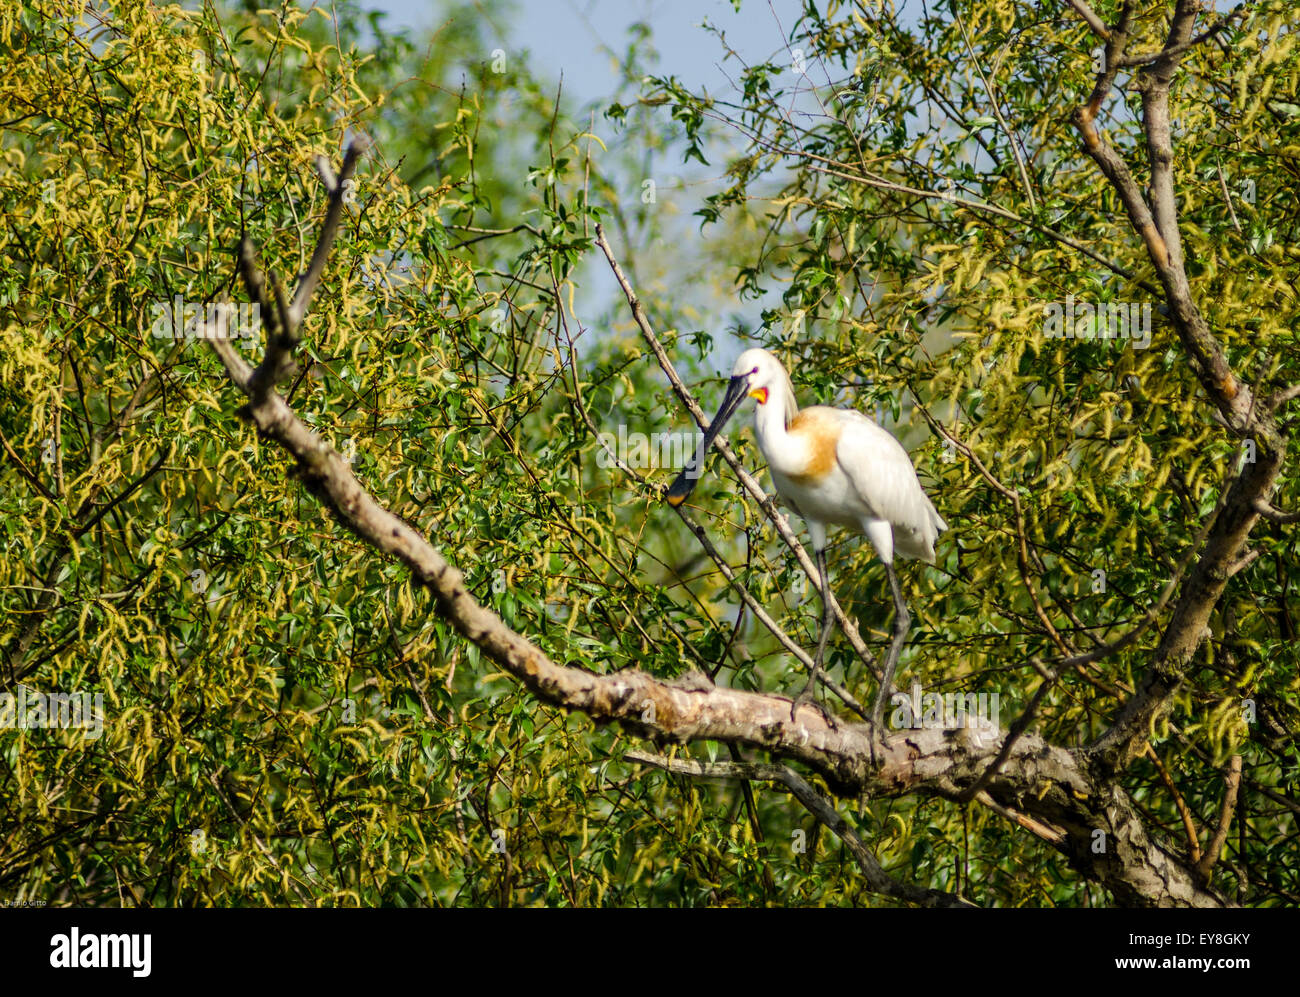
{"x": 882, "y": 472}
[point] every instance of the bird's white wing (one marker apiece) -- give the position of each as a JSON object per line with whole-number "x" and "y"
{"x": 882, "y": 473}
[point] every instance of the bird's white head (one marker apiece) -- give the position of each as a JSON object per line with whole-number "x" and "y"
{"x": 758, "y": 375}
{"x": 765, "y": 380}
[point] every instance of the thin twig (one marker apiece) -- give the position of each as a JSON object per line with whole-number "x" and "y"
{"x": 1052, "y": 835}
{"x": 765, "y": 501}
{"x": 879, "y": 880}
{"x": 303, "y": 895}
{"x": 1189, "y": 827}
{"x": 1018, "y": 727}
{"x": 1231, "y": 786}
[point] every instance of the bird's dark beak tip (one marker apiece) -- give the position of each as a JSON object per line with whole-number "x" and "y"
{"x": 680, "y": 489}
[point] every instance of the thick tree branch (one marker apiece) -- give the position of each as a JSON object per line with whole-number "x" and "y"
{"x": 1267, "y": 510}
{"x": 1283, "y": 397}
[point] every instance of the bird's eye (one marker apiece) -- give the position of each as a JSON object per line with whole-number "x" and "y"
{"x": 754, "y": 371}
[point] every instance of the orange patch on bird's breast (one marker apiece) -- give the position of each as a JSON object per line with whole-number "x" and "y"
{"x": 820, "y": 436}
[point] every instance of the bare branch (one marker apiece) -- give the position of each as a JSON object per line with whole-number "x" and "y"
{"x": 1243, "y": 562}
{"x": 1269, "y": 512}
{"x": 1189, "y": 826}
{"x": 1090, "y": 16}
{"x": 1052, "y": 835}
{"x": 1282, "y": 397}
{"x": 1227, "y": 198}
{"x": 282, "y": 318}
{"x": 1231, "y": 785}
{"x": 1154, "y": 85}
{"x": 333, "y": 213}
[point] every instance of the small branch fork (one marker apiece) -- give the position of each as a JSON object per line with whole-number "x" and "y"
{"x": 282, "y": 318}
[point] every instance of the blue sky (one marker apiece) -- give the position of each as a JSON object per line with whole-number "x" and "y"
{"x": 578, "y": 40}
{"x": 568, "y": 36}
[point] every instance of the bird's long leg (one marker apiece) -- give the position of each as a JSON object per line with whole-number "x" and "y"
{"x": 902, "y": 623}
{"x": 828, "y": 624}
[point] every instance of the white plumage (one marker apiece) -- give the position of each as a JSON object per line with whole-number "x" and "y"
{"x": 832, "y": 467}
{"x": 872, "y": 488}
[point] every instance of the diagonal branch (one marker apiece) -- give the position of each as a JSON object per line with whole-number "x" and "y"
{"x": 1234, "y": 400}
{"x": 1157, "y": 224}
{"x": 1052, "y": 786}
{"x": 1267, "y": 510}
{"x": 1042, "y": 786}
{"x": 282, "y": 317}
{"x": 338, "y": 192}
{"x": 765, "y": 501}
{"x": 1231, "y": 785}
{"x": 1090, "y": 16}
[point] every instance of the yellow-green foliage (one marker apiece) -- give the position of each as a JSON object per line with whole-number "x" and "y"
{"x": 285, "y": 720}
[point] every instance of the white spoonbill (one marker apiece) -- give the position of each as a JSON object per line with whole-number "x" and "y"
{"x": 832, "y": 467}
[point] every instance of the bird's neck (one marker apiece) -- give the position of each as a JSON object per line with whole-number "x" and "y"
{"x": 771, "y": 424}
